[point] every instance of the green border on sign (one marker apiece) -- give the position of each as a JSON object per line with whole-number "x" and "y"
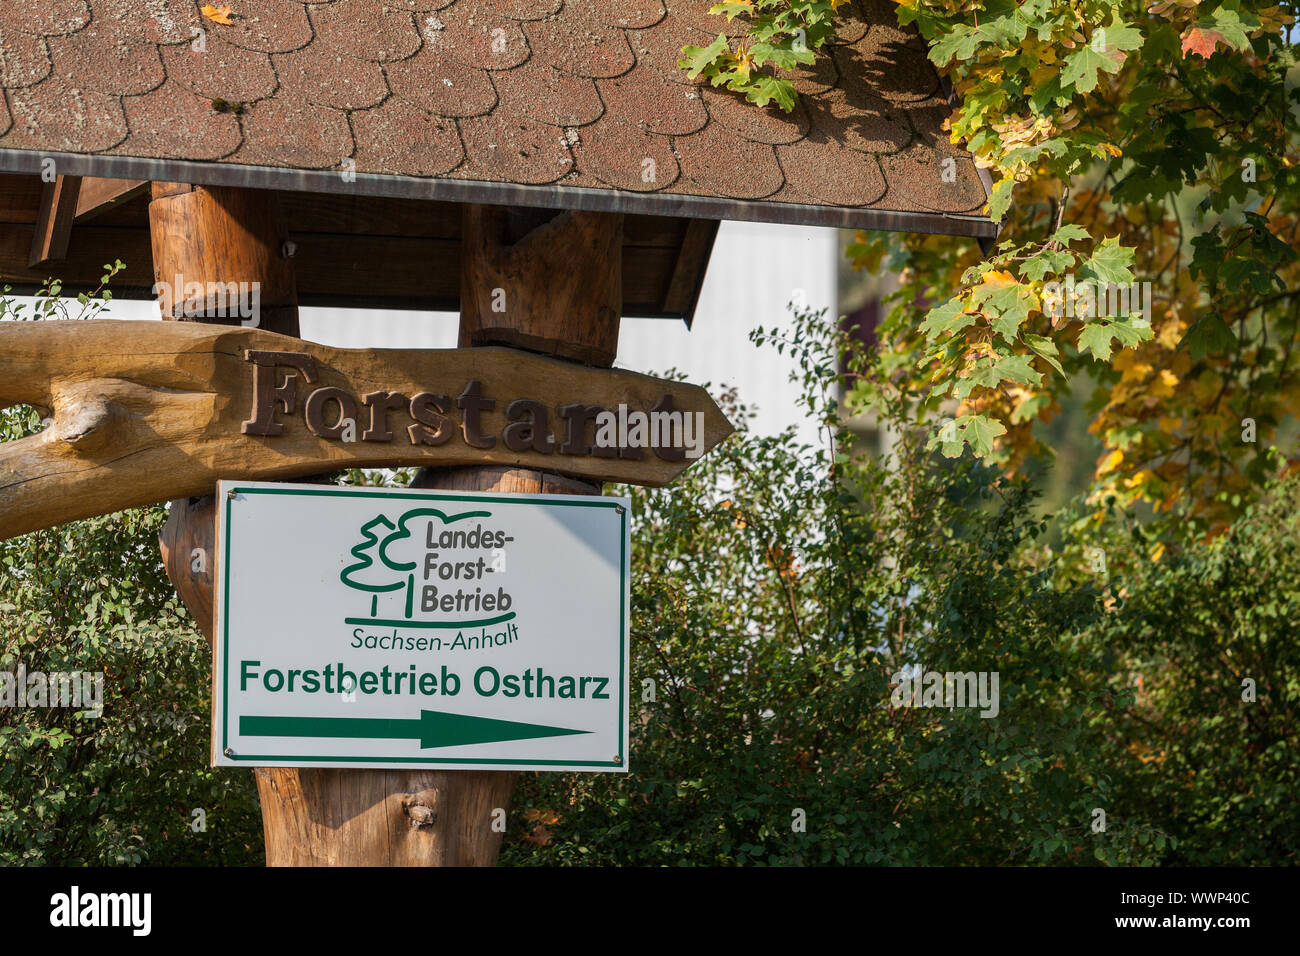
{"x": 419, "y": 496}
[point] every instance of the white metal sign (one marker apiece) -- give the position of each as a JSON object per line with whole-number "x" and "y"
{"x": 396, "y": 628}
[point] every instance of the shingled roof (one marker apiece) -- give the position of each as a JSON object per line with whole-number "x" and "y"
{"x": 551, "y": 103}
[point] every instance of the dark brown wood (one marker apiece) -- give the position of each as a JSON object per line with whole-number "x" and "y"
{"x": 54, "y": 221}
{"x": 557, "y": 290}
{"x": 352, "y": 251}
{"x": 98, "y": 196}
{"x": 83, "y": 263}
{"x": 345, "y": 270}
{"x": 20, "y": 197}
{"x": 188, "y": 543}
{"x": 222, "y": 235}
{"x": 688, "y": 271}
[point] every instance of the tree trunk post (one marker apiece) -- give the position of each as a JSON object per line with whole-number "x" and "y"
{"x": 544, "y": 282}
{"x": 210, "y": 235}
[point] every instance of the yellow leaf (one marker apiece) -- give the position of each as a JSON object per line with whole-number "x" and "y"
{"x": 1164, "y": 384}
{"x": 1142, "y": 479}
{"x": 217, "y": 14}
{"x": 744, "y": 62}
{"x": 999, "y": 279}
{"x": 1110, "y": 462}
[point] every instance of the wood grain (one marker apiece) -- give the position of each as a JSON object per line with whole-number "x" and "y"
{"x": 150, "y": 411}
{"x": 696, "y": 249}
{"x": 54, "y": 221}
{"x": 98, "y": 196}
{"x": 353, "y": 251}
{"x": 558, "y": 289}
{"x": 191, "y": 529}
{"x": 221, "y": 235}
{"x": 207, "y": 243}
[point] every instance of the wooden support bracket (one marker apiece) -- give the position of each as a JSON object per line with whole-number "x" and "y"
{"x": 54, "y": 221}
{"x": 557, "y": 289}
{"x": 99, "y": 195}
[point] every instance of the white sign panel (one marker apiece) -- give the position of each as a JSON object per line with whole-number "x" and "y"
{"x": 399, "y": 628}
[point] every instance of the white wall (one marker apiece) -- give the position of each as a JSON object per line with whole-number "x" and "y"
{"x": 755, "y": 271}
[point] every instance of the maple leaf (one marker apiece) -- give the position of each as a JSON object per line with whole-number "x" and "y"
{"x": 698, "y": 59}
{"x": 978, "y": 430}
{"x": 1201, "y": 42}
{"x": 217, "y": 14}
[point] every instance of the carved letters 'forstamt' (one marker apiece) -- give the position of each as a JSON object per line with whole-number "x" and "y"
{"x": 147, "y": 411}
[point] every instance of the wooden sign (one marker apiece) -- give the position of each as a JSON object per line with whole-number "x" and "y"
{"x": 144, "y": 412}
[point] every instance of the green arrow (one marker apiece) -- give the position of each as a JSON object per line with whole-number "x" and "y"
{"x": 432, "y": 728}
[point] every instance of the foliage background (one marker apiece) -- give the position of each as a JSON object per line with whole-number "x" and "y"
{"x": 1130, "y": 142}
{"x": 120, "y": 789}
{"x": 778, "y": 591}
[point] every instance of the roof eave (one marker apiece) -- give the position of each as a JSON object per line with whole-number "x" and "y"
{"x": 551, "y": 196}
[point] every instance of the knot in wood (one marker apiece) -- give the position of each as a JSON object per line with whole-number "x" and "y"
{"x": 84, "y": 426}
{"x": 421, "y": 815}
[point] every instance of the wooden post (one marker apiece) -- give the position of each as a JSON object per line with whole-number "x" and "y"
{"x": 553, "y": 287}
{"x": 213, "y": 235}
{"x": 398, "y": 817}
{"x": 217, "y": 235}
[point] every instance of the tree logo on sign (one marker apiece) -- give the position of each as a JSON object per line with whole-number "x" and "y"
{"x": 360, "y": 575}
{"x": 377, "y": 572}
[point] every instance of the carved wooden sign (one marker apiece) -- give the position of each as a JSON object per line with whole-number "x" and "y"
{"x": 144, "y": 412}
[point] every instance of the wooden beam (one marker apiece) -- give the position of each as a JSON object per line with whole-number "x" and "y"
{"x": 20, "y": 199}
{"x": 147, "y": 411}
{"x": 218, "y": 235}
{"x": 188, "y": 543}
{"x": 54, "y": 221}
{"x": 347, "y": 256}
{"x": 100, "y": 195}
{"x": 201, "y": 235}
{"x": 83, "y": 265}
{"x": 693, "y": 254}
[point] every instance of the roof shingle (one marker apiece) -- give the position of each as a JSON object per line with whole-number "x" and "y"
{"x": 579, "y": 96}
